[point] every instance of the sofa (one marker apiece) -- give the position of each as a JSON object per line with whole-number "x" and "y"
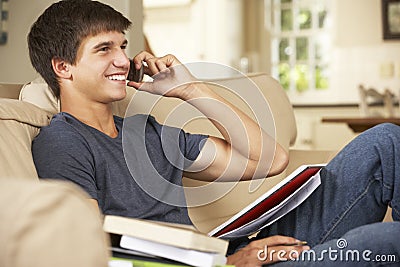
{"x": 42, "y": 224}
{"x": 24, "y": 109}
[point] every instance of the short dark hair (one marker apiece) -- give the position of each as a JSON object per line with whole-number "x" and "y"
{"x": 62, "y": 27}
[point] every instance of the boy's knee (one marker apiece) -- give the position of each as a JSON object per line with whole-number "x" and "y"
{"x": 376, "y": 234}
{"x": 386, "y": 128}
{"x": 381, "y": 132}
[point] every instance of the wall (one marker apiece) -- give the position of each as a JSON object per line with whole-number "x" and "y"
{"x": 224, "y": 31}
{"x": 313, "y": 134}
{"x": 202, "y": 30}
{"x": 214, "y": 31}
{"x": 360, "y": 54}
{"x": 15, "y": 66}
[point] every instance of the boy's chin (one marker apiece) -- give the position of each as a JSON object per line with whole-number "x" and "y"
{"x": 120, "y": 95}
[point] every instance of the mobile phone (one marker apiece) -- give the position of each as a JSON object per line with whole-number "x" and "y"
{"x": 134, "y": 74}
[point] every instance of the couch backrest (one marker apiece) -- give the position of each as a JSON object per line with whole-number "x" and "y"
{"x": 20, "y": 122}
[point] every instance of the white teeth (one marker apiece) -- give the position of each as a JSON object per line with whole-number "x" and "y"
{"x": 116, "y": 77}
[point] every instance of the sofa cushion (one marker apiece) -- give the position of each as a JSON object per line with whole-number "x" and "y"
{"x": 19, "y": 124}
{"x": 38, "y": 93}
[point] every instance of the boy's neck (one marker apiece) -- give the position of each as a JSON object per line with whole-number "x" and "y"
{"x": 98, "y": 115}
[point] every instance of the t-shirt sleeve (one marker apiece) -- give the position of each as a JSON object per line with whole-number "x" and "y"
{"x": 193, "y": 143}
{"x": 189, "y": 144}
{"x": 60, "y": 152}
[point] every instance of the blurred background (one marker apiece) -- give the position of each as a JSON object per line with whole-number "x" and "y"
{"x": 321, "y": 51}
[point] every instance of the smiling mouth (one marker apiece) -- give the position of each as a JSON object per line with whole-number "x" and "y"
{"x": 116, "y": 77}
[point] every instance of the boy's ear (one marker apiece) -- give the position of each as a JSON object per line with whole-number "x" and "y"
{"x": 61, "y": 68}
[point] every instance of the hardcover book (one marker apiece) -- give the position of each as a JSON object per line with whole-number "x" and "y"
{"x": 272, "y": 205}
{"x": 177, "y": 235}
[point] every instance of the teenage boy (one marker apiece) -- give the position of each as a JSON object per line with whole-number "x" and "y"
{"x": 78, "y": 47}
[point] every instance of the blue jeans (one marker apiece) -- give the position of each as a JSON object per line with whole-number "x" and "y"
{"x": 344, "y": 214}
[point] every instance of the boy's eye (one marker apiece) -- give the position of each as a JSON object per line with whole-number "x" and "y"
{"x": 104, "y": 49}
{"x": 123, "y": 47}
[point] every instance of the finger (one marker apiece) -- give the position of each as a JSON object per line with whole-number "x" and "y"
{"x": 142, "y": 56}
{"x": 253, "y": 256}
{"x": 280, "y": 240}
{"x": 161, "y": 65}
{"x": 245, "y": 257}
{"x": 156, "y": 65}
{"x": 284, "y": 253}
{"x": 170, "y": 60}
{"x": 152, "y": 66}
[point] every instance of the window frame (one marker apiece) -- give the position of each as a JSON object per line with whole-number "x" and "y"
{"x": 314, "y": 35}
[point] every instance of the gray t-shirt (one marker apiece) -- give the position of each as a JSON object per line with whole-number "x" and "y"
{"x": 70, "y": 150}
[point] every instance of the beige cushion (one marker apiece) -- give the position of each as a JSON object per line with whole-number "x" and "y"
{"x": 38, "y": 93}
{"x": 19, "y": 124}
{"x": 48, "y": 224}
{"x": 275, "y": 97}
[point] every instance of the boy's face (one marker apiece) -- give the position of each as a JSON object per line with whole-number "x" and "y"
{"x": 101, "y": 69}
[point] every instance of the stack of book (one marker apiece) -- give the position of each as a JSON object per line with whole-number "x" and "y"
{"x": 163, "y": 242}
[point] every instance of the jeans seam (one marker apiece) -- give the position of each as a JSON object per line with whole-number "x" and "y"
{"x": 346, "y": 211}
{"x": 387, "y": 186}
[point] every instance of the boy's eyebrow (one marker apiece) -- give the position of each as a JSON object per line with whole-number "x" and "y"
{"x": 102, "y": 44}
{"x": 108, "y": 43}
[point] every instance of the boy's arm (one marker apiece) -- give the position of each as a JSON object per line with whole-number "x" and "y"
{"x": 246, "y": 151}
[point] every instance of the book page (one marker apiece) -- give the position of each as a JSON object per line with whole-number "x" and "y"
{"x": 187, "y": 256}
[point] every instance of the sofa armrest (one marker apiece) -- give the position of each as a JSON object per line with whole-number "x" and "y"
{"x": 46, "y": 224}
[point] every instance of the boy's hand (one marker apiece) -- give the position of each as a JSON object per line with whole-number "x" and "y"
{"x": 267, "y": 251}
{"x": 170, "y": 77}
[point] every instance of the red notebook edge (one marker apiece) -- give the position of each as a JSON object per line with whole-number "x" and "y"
{"x": 269, "y": 199}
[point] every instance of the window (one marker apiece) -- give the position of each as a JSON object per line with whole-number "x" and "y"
{"x": 300, "y": 44}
